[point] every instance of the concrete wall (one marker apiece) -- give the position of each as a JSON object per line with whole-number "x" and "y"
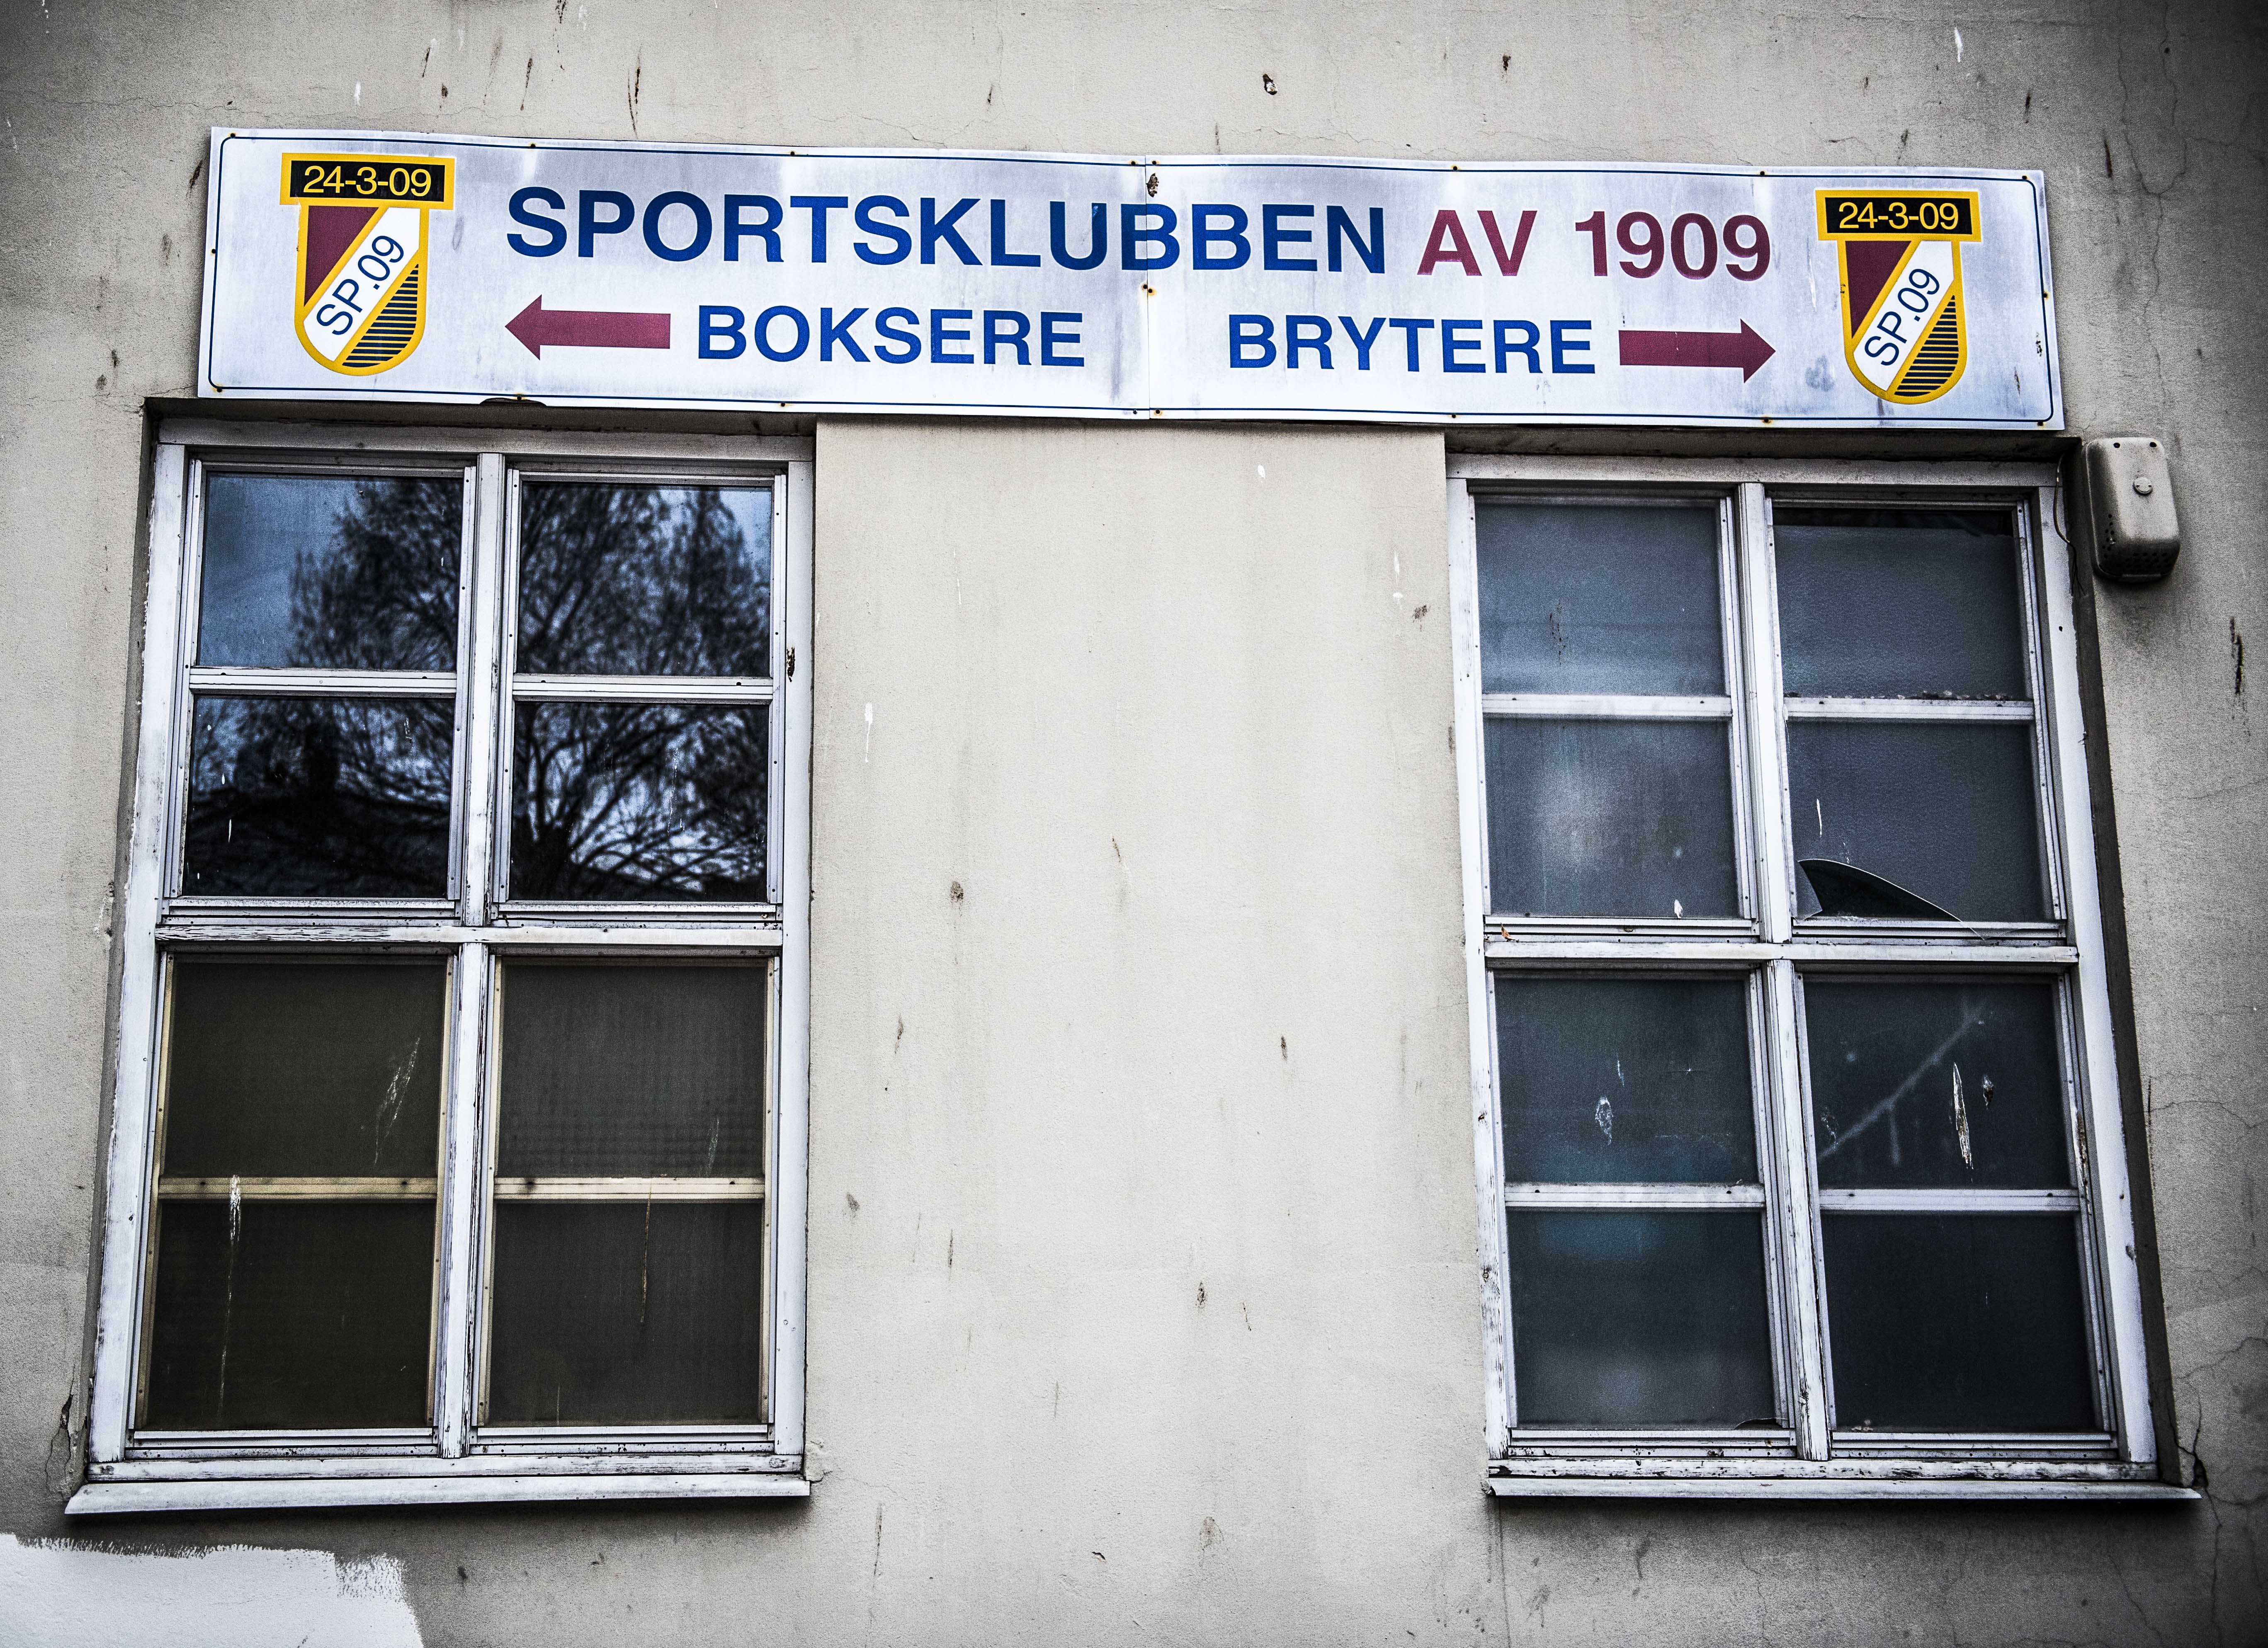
{"x": 1171, "y": 706}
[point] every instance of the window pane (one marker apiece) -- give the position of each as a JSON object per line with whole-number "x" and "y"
{"x": 1639, "y": 1319}
{"x": 1610, "y": 818}
{"x": 646, "y": 1071}
{"x": 1957, "y": 1322}
{"x": 323, "y": 572}
{"x": 1625, "y": 1081}
{"x": 282, "y": 1315}
{"x": 1899, "y": 603}
{"x": 304, "y": 1067}
{"x": 645, "y": 580}
{"x": 1599, "y": 599}
{"x": 638, "y": 801}
{"x": 327, "y": 798}
{"x": 627, "y": 1313}
{"x": 1924, "y": 1084}
{"x": 1945, "y": 812}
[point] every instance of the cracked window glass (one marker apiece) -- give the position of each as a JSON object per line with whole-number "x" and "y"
{"x": 1947, "y": 813}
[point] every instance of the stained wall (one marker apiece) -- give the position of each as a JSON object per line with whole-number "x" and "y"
{"x": 1143, "y": 1299}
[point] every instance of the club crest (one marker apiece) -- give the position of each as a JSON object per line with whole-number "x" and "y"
{"x": 362, "y": 274}
{"x": 1904, "y": 333}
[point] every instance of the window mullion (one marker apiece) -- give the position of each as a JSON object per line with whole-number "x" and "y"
{"x": 1789, "y": 1170}
{"x": 482, "y": 676}
{"x": 461, "y": 1155}
{"x": 461, "y": 1163}
{"x": 1793, "y": 1216}
{"x": 1760, "y": 691}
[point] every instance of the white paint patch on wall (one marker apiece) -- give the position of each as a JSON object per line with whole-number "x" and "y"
{"x": 54, "y": 1595}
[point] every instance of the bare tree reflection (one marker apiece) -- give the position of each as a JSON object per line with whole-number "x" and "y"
{"x": 628, "y": 801}
{"x": 640, "y": 580}
{"x": 341, "y": 798}
{"x": 384, "y": 596}
{"x": 347, "y": 797}
{"x": 324, "y": 798}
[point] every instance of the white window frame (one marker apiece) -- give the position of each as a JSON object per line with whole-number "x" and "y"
{"x": 1804, "y": 1459}
{"x": 455, "y": 1459}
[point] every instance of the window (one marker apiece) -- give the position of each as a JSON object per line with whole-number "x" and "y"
{"x": 1800, "y": 1151}
{"x": 458, "y": 1148}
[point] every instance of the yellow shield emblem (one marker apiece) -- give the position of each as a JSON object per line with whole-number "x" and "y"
{"x": 361, "y": 277}
{"x": 1904, "y": 334}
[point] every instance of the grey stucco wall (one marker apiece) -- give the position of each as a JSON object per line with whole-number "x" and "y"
{"x": 1197, "y": 1018}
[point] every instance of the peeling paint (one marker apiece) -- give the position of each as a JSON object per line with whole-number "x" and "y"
{"x": 62, "y": 1594}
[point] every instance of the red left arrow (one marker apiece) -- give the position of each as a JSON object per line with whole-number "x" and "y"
{"x": 586, "y": 329}
{"x": 1743, "y": 349}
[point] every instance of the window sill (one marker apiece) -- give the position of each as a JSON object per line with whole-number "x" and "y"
{"x": 1792, "y": 1479}
{"x": 287, "y": 1493}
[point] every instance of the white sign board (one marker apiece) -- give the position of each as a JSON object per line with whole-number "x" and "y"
{"x": 369, "y": 266}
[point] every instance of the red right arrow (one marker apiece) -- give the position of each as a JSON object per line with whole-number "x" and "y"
{"x": 1743, "y": 349}
{"x": 586, "y": 329}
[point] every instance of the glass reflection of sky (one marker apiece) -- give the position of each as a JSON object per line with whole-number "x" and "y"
{"x": 256, "y": 529}
{"x": 265, "y": 534}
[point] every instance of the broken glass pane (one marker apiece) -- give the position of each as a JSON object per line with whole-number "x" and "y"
{"x": 323, "y": 798}
{"x": 1625, "y": 1081}
{"x": 1639, "y": 1319}
{"x": 290, "y": 1315}
{"x": 1920, "y": 1083}
{"x": 645, "y": 1070}
{"x": 627, "y": 1313}
{"x": 330, "y": 572}
{"x": 638, "y": 801}
{"x": 1877, "y": 603}
{"x": 1945, "y": 811}
{"x": 1580, "y": 597}
{"x": 304, "y": 1067}
{"x": 1957, "y": 1322}
{"x": 1610, "y": 818}
{"x": 618, "y": 579}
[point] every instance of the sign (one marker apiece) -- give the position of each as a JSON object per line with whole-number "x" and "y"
{"x": 374, "y": 266}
